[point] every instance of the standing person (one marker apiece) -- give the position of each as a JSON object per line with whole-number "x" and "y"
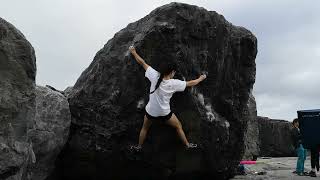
{"x": 314, "y": 160}
{"x": 163, "y": 86}
{"x": 301, "y": 152}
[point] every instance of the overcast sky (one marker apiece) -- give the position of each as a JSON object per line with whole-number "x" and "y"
{"x": 66, "y": 34}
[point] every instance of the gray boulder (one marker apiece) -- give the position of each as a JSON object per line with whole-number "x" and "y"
{"x": 252, "y": 141}
{"x": 17, "y": 102}
{"x": 275, "y": 138}
{"x": 107, "y": 102}
{"x": 50, "y": 131}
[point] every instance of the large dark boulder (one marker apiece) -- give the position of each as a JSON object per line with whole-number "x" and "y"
{"x": 275, "y": 137}
{"x": 17, "y": 102}
{"x": 50, "y": 131}
{"x": 107, "y": 102}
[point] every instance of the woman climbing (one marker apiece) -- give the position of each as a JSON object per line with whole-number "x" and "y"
{"x": 163, "y": 86}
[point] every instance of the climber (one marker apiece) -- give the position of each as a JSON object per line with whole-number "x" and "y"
{"x": 163, "y": 86}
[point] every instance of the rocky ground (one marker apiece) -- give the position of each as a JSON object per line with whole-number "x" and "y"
{"x": 277, "y": 168}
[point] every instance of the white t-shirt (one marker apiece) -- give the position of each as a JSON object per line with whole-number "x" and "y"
{"x": 159, "y": 101}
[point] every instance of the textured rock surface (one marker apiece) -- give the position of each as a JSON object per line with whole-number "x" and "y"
{"x": 252, "y": 141}
{"x": 50, "y": 131}
{"x": 275, "y": 138}
{"x": 108, "y": 99}
{"x": 17, "y": 101}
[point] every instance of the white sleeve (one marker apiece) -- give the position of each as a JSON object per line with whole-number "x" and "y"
{"x": 152, "y": 74}
{"x": 179, "y": 85}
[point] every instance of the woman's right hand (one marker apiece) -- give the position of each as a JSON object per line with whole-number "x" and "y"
{"x": 196, "y": 81}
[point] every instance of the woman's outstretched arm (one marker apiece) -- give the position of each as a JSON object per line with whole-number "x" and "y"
{"x": 196, "y": 81}
{"x": 138, "y": 58}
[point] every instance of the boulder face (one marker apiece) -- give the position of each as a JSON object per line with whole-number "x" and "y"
{"x": 17, "y": 101}
{"x": 107, "y": 102}
{"x": 275, "y": 138}
{"x": 50, "y": 131}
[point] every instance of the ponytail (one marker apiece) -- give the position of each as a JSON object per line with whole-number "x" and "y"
{"x": 165, "y": 69}
{"x": 158, "y": 82}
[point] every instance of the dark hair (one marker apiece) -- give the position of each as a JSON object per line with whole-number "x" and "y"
{"x": 165, "y": 69}
{"x": 295, "y": 121}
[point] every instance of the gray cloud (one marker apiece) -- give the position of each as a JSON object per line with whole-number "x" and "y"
{"x": 67, "y": 34}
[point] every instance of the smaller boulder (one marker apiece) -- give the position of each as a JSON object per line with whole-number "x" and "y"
{"x": 275, "y": 138}
{"x": 50, "y": 131}
{"x": 251, "y": 136}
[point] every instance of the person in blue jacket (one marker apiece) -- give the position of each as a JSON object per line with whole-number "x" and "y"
{"x": 301, "y": 152}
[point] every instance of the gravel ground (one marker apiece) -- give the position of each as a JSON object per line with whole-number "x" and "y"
{"x": 277, "y": 168}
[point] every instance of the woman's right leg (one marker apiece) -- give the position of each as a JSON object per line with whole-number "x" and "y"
{"x": 174, "y": 122}
{"x": 143, "y": 132}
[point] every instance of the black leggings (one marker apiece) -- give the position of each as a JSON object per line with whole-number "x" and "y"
{"x": 315, "y": 158}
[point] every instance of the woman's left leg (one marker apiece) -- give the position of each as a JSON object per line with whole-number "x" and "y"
{"x": 174, "y": 122}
